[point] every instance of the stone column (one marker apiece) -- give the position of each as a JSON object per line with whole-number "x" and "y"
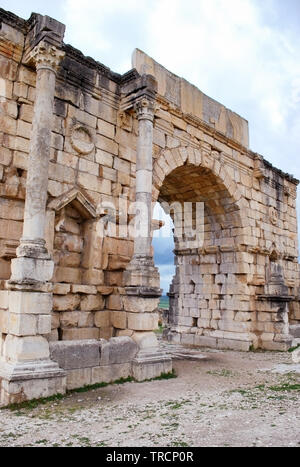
{"x": 25, "y": 367}
{"x": 32, "y": 245}
{"x": 145, "y": 114}
{"x": 141, "y": 276}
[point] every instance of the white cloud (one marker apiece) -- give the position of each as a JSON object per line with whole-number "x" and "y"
{"x": 225, "y": 47}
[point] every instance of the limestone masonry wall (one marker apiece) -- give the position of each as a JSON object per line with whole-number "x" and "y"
{"x": 110, "y": 140}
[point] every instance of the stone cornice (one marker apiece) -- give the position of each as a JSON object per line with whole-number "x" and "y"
{"x": 13, "y": 20}
{"x": 233, "y": 144}
{"x": 41, "y": 27}
{"x": 89, "y": 62}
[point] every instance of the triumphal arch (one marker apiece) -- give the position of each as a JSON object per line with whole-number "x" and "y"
{"x": 84, "y": 154}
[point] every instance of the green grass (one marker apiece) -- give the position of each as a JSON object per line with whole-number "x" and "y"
{"x": 294, "y": 348}
{"x": 32, "y": 404}
{"x": 286, "y": 387}
{"x": 91, "y": 387}
{"x": 164, "y": 303}
{"x": 160, "y": 329}
{"x": 224, "y": 372}
{"x": 163, "y": 376}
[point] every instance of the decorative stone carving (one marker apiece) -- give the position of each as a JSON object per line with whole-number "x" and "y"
{"x": 82, "y": 139}
{"x": 46, "y": 56}
{"x": 273, "y": 215}
{"x": 125, "y": 121}
{"x": 145, "y": 109}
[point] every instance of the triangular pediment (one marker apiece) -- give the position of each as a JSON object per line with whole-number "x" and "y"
{"x": 78, "y": 199}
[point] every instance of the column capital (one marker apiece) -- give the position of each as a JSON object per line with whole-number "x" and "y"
{"x": 47, "y": 56}
{"x": 145, "y": 109}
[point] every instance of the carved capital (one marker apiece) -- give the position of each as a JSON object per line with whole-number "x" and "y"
{"x": 46, "y": 56}
{"x": 145, "y": 109}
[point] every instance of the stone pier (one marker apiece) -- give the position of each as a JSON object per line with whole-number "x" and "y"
{"x": 26, "y": 369}
{"x": 142, "y": 281}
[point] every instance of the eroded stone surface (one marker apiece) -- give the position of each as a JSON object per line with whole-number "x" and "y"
{"x": 67, "y": 151}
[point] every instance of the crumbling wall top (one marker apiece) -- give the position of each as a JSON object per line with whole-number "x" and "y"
{"x": 190, "y": 100}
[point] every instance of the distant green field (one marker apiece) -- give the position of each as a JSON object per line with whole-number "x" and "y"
{"x": 164, "y": 302}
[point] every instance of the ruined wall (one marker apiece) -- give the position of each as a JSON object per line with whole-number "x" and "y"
{"x": 240, "y": 288}
{"x": 220, "y": 294}
{"x": 92, "y": 150}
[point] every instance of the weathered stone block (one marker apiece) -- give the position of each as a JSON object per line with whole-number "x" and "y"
{"x": 44, "y": 324}
{"x": 118, "y": 319}
{"x": 80, "y": 333}
{"x": 118, "y": 350}
{"x": 3, "y": 299}
{"x": 142, "y": 321}
{"x": 138, "y": 304}
{"x": 24, "y": 269}
{"x": 85, "y": 319}
{"x": 55, "y": 319}
{"x": 53, "y": 336}
{"x": 233, "y": 345}
{"x": 16, "y": 392}
{"x": 205, "y": 341}
{"x": 142, "y": 371}
{"x": 66, "y": 274}
{"x": 75, "y": 354}
{"x": 66, "y": 302}
{"x": 61, "y": 289}
{"x": 30, "y": 302}
{"x": 106, "y": 129}
{"x": 69, "y": 319}
{"x": 114, "y": 302}
{"x": 93, "y": 277}
{"x": 145, "y": 340}
{"x": 23, "y": 324}
{"x": 106, "y": 332}
{"x": 25, "y": 349}
{"x": 92, "y": 303}
{"x": 102, "y": 319}
{"x": 79, "y": 378}
{"x": 188, "y": 339}
{"x": 111, "y": 373}
{"x": 84, "y": 289}
{"x": 4, "y": 321}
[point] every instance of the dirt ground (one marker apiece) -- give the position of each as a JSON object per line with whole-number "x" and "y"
{"x": 226, "y": 398}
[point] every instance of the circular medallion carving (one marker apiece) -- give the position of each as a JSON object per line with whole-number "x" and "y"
{"x": 82, "y": 139}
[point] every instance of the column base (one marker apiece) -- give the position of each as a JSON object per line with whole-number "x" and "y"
{"x": 21, "y": 382}
{"x": 151, "y": 363}
{"x": 33, "y": 249}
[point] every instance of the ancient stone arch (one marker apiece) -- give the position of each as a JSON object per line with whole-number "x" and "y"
{"x": 83, "y": 152}
{"x": 198, "y": 309}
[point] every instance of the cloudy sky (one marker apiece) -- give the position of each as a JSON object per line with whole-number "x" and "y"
{"x": 243, "y": 53}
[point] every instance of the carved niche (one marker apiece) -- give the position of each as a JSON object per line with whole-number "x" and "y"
{"x": 72, "y": 221}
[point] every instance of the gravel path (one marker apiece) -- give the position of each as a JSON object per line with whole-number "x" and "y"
{"x": 225, "y": 399}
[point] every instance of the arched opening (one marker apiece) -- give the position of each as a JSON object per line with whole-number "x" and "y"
{"x": 209, "y": 288}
